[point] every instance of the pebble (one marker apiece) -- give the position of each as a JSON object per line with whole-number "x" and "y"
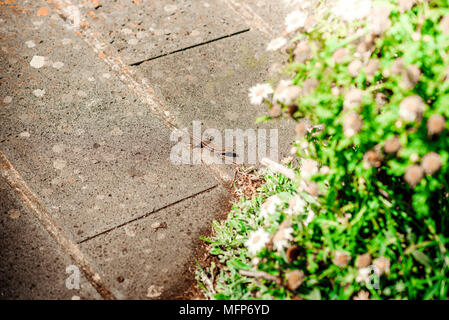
{"x": 58, "y": 65}
{"x": 39, "y": 93}
{"x": 24, "y": 134}
{"x": 37, "y": 62}
{"x": 30, "y": 44}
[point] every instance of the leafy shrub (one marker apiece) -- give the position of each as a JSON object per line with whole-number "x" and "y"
{"x": 369, "y": 213}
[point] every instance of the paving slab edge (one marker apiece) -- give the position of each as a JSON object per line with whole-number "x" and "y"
{"x": 16, "y": 182}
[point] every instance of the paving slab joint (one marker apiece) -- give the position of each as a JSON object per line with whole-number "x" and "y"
{"x": 146, "y": 215}
{"x": 16, "y": 182}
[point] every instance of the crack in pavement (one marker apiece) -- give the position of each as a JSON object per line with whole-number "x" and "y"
{"x": 146, "y": 215}
{"x": 189, "y": 47}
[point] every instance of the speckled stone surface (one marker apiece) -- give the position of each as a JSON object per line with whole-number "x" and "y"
{"x": 271, "y": 12}
{"x": 32, "y": 266}
{"x": 154, "y": 258}
{"x": 210, "y": 84}
{"x": 95, "y": 156}
{"x": 146, "y": 29}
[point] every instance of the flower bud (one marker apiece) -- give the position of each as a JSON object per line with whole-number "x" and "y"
{"x": 352, "y": 124}
{"x": 275, "y": 111}
{"x": 335, "y": 91}
{"x": 294, "y": 279}
{"x": 371, "y": 69}
{"x": 373, "y": 158}
{"x": 410, "y": 77}
{"x": 382, "y": 265}
{"x": 340, "y": 55}
{"x": 431, "y": 163}
{"x": 436, "y": 124}
{"x": 392, "y": 145}
{"x": 309, "y": 168}
{"x": 325, "y": 170}
{"x": 302, "y": 52}
{"x": 313, "y": 189}
{"x": 381, "y": 99}
{"x": 309, "y": 85}
{"x": 301, "y": 129}
{"x": 363, "y": 261}
{"x": 354, "y": 68}
{"x": 367, "y": 44}
{"x": 353, "y": 99}
{"x": 286, "y": 93}
{"x": 397, "y": 66}
{"x": 379, "y": 20}
{"x": 341, "y": 258}
{"x": 413, "y": 175}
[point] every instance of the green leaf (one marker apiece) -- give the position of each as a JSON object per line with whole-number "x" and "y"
{"x": 262, "y": 119}
{"x": 315, "y": 294}
{"x": 421, "y": 258}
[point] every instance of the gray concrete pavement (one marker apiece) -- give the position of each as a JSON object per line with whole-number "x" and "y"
{"x": 95, "y": 156}
{"x": 141, "y": 30}
{"x": 77, "y": 126}
{"x": 32, "y": 265}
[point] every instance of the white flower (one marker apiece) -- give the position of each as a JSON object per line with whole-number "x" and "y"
{"x": 296, "y": 205}
{"x": 351, "y": 10}
{"x": 257, "y": 241}
{"x": 269, "y": 206}
{"x": 295, "y": 20}
{"x": 309, "y": 168}
{"x": 411, "y": 108}
{"x": 363, "y": 275}
{"x": 259, "y": 92}
{"x": 282, "y": 238}
{"x": 276, "y": 44}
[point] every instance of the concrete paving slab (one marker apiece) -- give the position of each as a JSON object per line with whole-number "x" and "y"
{"x": 272, "y": 12}
{"x": 145, "y": 29}
{"x": 32, "y": 266}
{"x": 211, "y": 84}
{"x": 94, "y": 155}
{"x": 154, "y": 257}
